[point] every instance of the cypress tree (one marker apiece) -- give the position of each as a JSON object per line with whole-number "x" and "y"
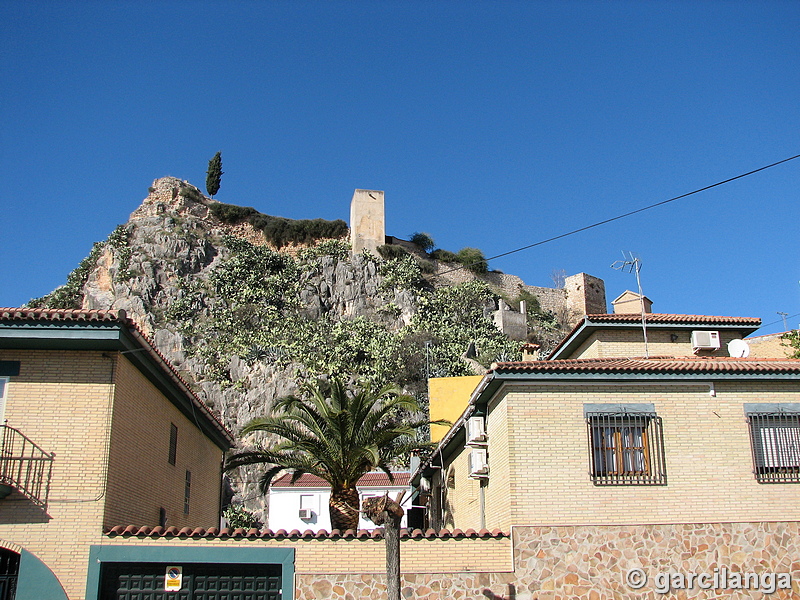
{"x": 214, "y": 174}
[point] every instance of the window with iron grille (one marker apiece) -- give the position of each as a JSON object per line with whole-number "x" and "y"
{"x": 775, "y": 441}
{"x": 173, "y": 443}
{"x": 626, "y": 444}
{"x": 187, "y": 492}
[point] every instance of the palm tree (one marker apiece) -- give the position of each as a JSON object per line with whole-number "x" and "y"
{"x": 336, "y": 435}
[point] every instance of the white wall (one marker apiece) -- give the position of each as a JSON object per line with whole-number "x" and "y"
{"x": 284, "y": 507}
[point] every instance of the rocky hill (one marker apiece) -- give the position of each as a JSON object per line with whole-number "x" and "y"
{"x": 246, "y": 305}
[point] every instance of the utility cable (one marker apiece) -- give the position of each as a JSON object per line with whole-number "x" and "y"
{"x": 622, "y": 216}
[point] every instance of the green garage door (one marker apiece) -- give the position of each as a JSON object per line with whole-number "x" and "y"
{"x": 145, "y": 581}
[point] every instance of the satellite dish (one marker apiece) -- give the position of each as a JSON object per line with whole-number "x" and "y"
{"x": 738, "y": 349}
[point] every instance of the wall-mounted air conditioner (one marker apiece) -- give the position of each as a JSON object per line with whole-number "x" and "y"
{"x": 705, "y": 340}
{"x": 476, "y": 430}
{"x": 478, "y": 465}
{"x": 306, "y": 514}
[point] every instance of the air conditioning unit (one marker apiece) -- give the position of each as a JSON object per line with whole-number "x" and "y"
{"x": 478, "y": 465}
{"x": 306, "y": 514}
{"x": 705, "y": 340}
{"x": 476, "y": 430}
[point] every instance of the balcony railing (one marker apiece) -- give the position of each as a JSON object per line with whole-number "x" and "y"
{"x": 25, "y": 466}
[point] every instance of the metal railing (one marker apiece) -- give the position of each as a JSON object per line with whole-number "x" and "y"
{"x": 25, "y": 466}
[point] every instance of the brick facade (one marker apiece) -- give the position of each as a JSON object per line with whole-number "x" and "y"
{"x": 108, "y": 426}
{"x": 541, "y": 463}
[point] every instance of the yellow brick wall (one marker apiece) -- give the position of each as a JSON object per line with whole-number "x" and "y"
{"x": 768, "y": 346}
{"x": 707, "y": 451}
{"x": 630, "y": 343}
{"x": 351, "y": 556}
{"x": 62, "y": 400}
{"x": 141, "y": 480}
{"x": 498, "y": 489}
{"x": 66, "y": 402}
{"x": 463, "y": 500}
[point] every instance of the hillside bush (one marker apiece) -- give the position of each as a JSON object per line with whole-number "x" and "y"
{"x": 473, "y": 259}
{"x": 423, "y": 240}
{"x": 390, "y": 251}
{"x": 444, "y": 255}
{"x": 191, "y": 193}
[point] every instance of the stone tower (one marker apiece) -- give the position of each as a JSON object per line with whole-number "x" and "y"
{"x": 586, "y": 295}
{"x": 367, "y": 221}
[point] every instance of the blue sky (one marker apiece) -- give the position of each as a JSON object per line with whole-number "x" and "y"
{"x": 487, "y": 124}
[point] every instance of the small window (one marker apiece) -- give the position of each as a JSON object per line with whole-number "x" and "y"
{"x": 625, "y": 444}
{"x": 775, "y": 441}
{"x": 173, "y": 443}
{"x": 162, "y": 517}
{"x": 187, "y": 492}
{"x": 309, "y": 501}
{"x": 3, "y": 389}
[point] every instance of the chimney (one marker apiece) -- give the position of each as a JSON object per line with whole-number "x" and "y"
{"x": 629, "y": 303}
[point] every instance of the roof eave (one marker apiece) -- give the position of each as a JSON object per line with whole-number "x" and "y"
{"x": 115, "y": 336}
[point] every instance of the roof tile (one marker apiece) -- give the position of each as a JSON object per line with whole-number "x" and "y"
{"x": 267, "y": 534}
{"x": 374, "y": 479}
{"x": 659, "y": 364}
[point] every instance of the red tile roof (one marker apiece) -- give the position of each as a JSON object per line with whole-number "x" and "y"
{"x": 377, "y": 479}
{"x": 655, "y": 364}
{"x": 268, "y": 534}
{"x": 55, "y": 315}
{"x": 674, "y": 318}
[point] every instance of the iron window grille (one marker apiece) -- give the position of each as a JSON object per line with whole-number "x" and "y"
{"x": 173, "y": 444}
{"x": 187, "y": 492}
{"x": 775, "y": 442}
{"x": 626, "y": 448}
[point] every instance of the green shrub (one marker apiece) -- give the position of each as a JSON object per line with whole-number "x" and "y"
{"x": 402, "y": 273}
{"x": 338, "y": 249}
{"x": 191, "y": 193}
{"x": 444, "y": 255}
{"x": 426, "y": 266}
{"x": 240, "y": 518}
{"x": 473, "y": 259}
{"x": 280, "y": 231}
{"x": 230, "y": 213}
{"x": 423, "y": 240}
{"x": 390, "y": 251}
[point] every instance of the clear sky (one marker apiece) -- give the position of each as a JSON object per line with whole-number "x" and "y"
{"x": 487, "y": 124}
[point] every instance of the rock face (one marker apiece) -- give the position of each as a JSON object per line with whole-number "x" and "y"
{"x": 164, "y": 264}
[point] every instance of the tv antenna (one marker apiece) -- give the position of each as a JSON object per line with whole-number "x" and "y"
{"x": 783, "y": 316}
{"x": 633, "y": 264}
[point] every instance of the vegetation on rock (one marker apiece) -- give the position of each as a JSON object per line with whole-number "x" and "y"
{"x": 791, "y": 339}
{"x": 279, "y": 231}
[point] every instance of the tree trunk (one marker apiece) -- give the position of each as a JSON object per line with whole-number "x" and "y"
{"x": 391, "y": 528}
{"x": 343, "y": 508}
{"x": 387, "y": 512}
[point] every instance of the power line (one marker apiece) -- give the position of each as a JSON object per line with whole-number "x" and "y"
{"x": 780, "y": 320}
{"x": 627, "y": 214}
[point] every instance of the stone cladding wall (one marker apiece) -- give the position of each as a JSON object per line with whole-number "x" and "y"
{"x": 592, "y": 562}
